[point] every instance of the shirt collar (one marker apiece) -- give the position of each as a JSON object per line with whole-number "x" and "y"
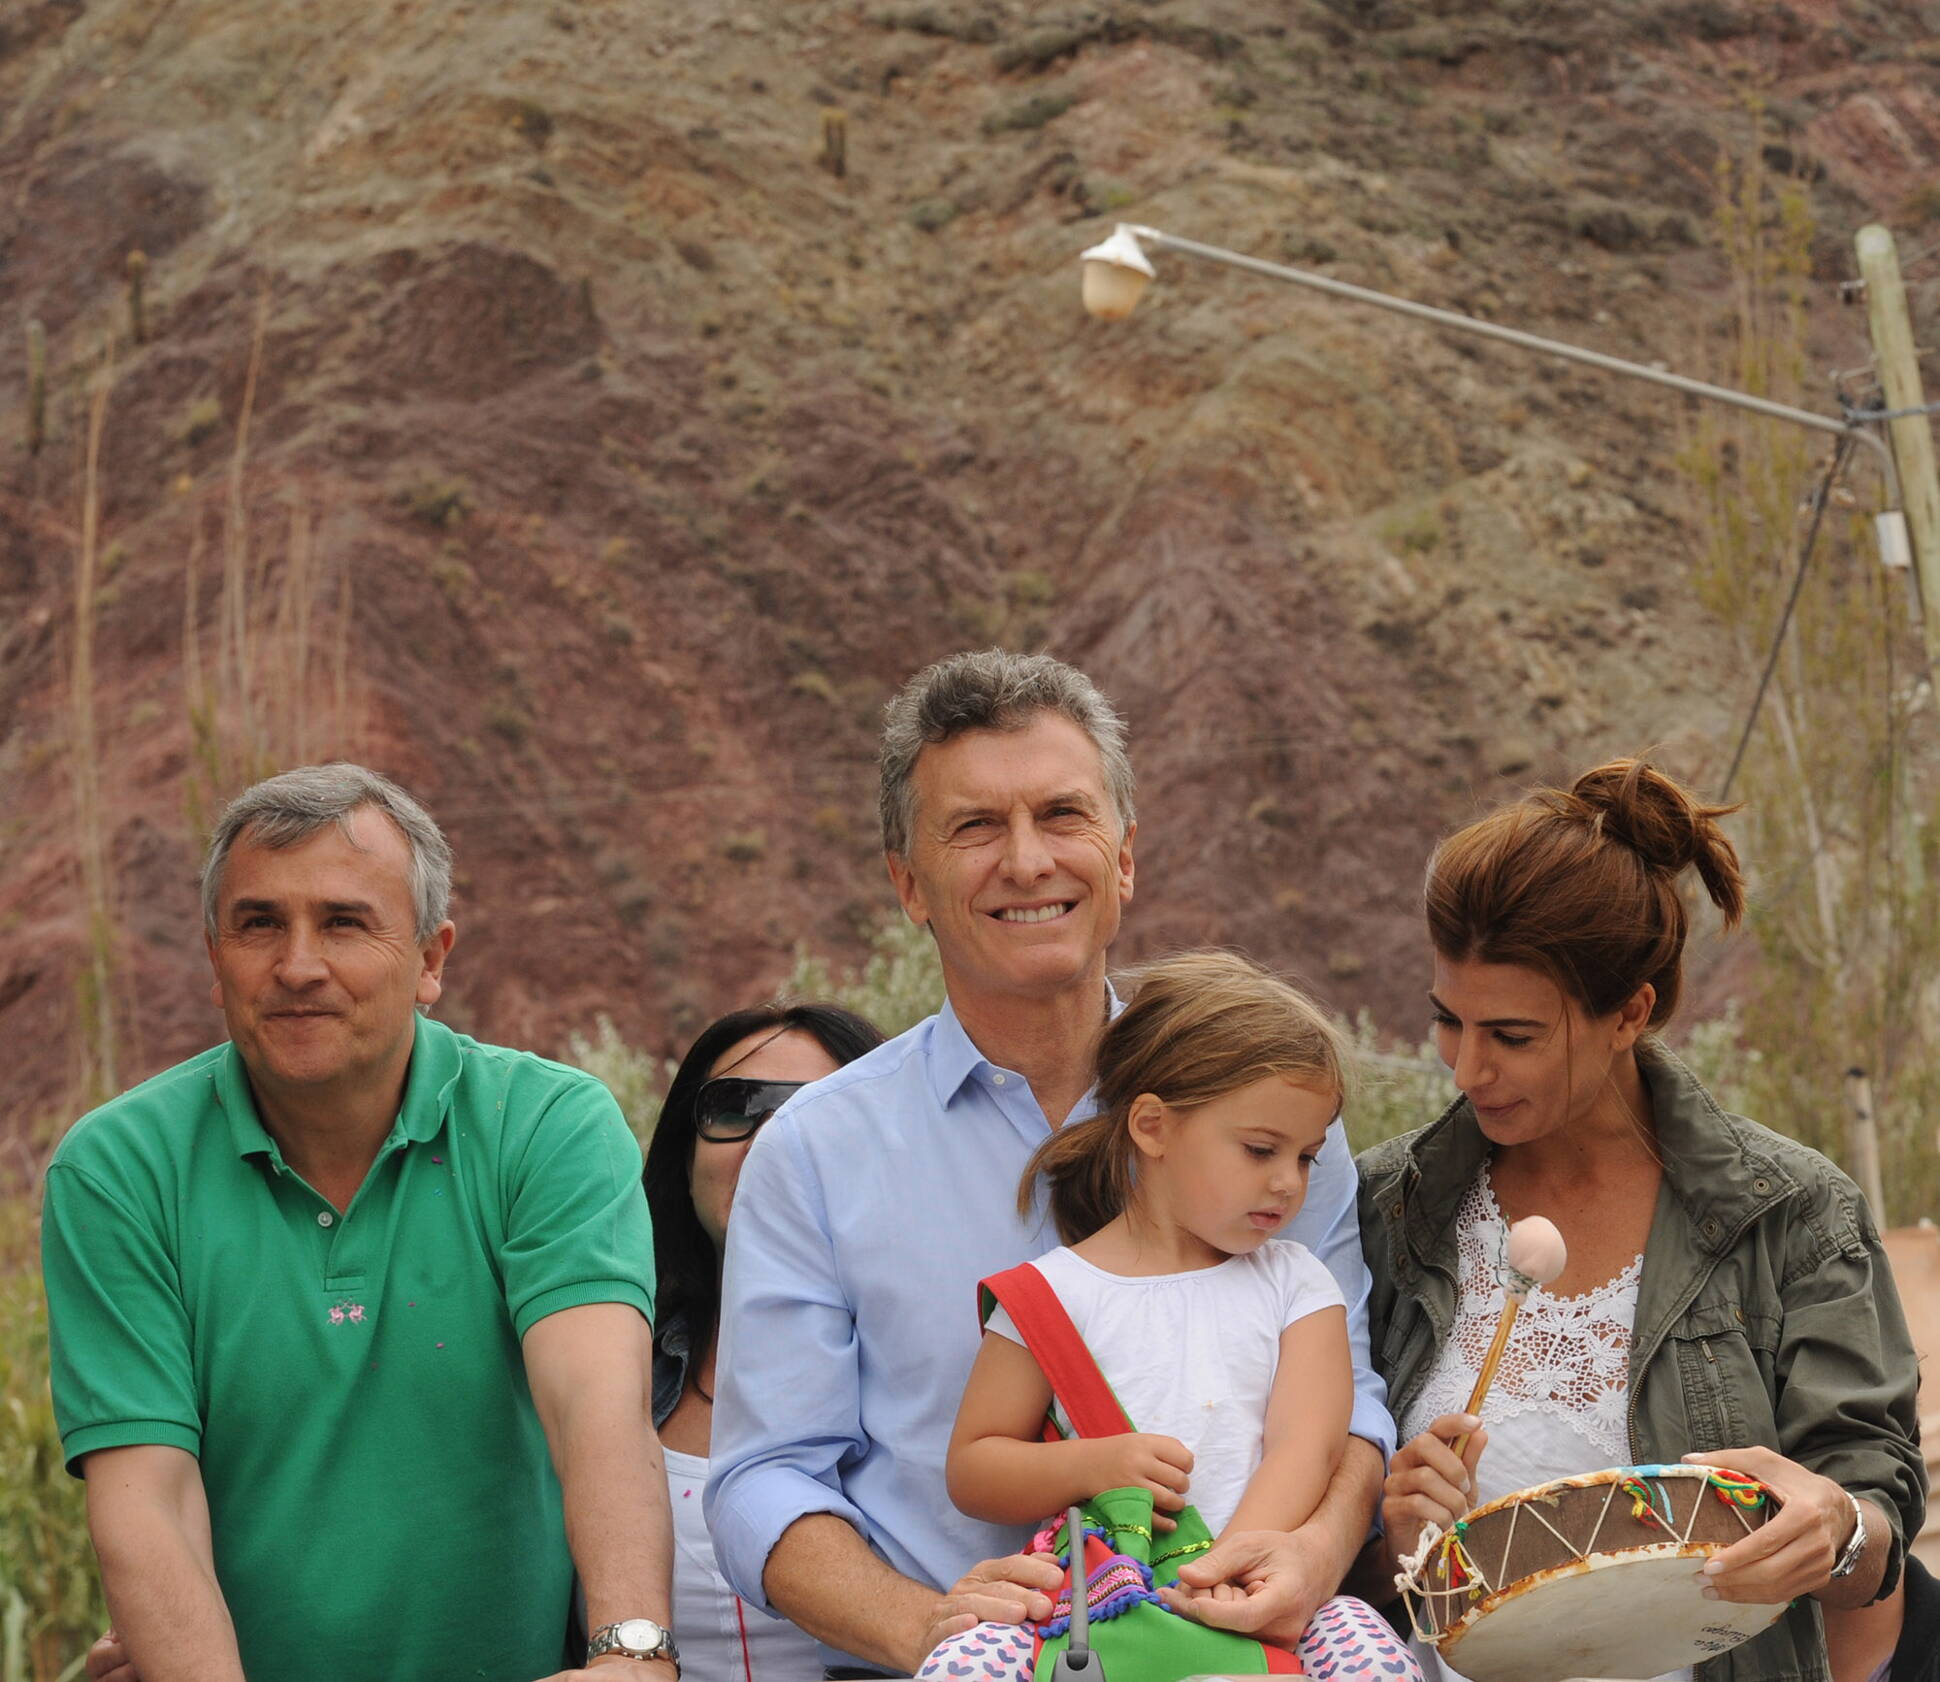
{"x": 954, "y": 1058}
{"x": 435, "y": 1063}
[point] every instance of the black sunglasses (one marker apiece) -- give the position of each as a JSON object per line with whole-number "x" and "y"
{"x": 730, "y": 1108}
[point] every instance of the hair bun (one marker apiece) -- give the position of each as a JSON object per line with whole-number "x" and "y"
{"x": 1664, "y": 824}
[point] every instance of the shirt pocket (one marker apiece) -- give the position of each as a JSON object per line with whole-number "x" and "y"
{"x": 1724, "y": 1354}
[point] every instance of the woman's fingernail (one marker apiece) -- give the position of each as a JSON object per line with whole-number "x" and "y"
{"x": 1712, "y": 1568}
{"x": 1709, "y": 1593}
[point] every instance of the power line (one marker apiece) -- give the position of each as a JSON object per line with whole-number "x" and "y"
{"x": 1820, "y": 498}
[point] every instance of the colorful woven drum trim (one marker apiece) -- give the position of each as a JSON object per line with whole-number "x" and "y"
{"x": 1457, "y": 1567}
{"x": 1644, "y": 1498}
{"x": 1737, "y": 1490}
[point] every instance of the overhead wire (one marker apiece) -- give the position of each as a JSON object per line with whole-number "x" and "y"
{"x": 1820, "y": 498}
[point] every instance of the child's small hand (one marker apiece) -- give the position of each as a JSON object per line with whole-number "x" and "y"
{"x": 1143, "y": 1460}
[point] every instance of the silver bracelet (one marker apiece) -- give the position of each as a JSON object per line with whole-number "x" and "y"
{"x": 1848, "y": 1560}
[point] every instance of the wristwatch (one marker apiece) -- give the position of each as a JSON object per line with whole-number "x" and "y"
{"x": 634, "y": 1638}
{"x": 1848, "y": 1561}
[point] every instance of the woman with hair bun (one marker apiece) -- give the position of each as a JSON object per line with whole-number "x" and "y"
{"x": 1725, "y": 1296}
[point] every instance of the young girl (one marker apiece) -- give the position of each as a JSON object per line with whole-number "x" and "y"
{"x": 1226, "y": 1346}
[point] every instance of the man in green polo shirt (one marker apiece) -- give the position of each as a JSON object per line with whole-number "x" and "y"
{"x": 349, "y": 1314}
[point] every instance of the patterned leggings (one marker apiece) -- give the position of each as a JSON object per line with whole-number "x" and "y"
{"x": 1347, "y": 1639}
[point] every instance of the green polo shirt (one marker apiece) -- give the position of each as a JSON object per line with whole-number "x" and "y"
{"x": 383, "y": 1503}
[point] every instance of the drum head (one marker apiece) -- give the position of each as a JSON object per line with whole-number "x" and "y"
{"x": 1587, "y": 1619}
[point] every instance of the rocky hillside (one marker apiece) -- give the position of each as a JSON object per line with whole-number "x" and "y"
{"x": 526, "y": 403}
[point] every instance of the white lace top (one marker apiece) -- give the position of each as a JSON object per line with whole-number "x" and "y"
{"x": 1567, "y": 1364}
{"x": 1558, "y": 1403}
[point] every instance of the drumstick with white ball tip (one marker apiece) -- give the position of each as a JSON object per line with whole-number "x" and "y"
{"x": 1536, "y": 1256}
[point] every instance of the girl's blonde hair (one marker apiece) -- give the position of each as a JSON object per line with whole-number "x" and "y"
{"x": 1200, "y": 1025}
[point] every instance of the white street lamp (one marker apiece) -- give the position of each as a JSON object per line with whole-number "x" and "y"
{"x": 1116, "y": 275}
{"x": 1117, "y": 271}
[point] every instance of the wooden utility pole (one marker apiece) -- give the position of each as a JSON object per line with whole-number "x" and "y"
{"x": 1864, "y": 1137}
{"x": 1911, "y": 435}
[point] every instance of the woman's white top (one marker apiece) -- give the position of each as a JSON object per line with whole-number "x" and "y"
{"x": 1558, "y": 1404}
{"x": 1193, "y": 1355}
{"x": 721, "y": 1637}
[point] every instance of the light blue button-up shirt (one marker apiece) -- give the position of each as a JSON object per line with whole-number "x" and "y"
{"x": 866, "y": 1213}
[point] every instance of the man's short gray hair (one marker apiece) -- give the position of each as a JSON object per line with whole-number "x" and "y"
{"x": 284, "y": 810}
{"x": 991, "y": 690}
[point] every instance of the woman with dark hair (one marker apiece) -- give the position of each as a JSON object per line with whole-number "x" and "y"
{"x": 734, "y": 1077}
{"x": 1725, "y": 1295}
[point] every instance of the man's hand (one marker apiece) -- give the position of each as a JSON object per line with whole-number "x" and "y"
{"x": 1013, "y": 1590}
{"x": 1142, "y": 1460}
{"x": 1279, "y": 1579}
{"x": 1793, "y": 1551}
{"x": 108, "y": 1660}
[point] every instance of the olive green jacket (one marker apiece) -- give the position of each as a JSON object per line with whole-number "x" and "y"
{"x": 1766, "y": 1315}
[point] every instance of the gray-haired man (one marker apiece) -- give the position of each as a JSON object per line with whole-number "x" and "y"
{"x": 349, "y": 1314}
{"x": 871, "y": 1205}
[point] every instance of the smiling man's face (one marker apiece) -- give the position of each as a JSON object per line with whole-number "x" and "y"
{"x": 1016, "y": 859}
{"x": 318, "y": 967}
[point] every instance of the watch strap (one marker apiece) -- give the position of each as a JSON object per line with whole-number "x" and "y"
{"x": 606, "y": 1639}
{"x": 1848, "y": 1560}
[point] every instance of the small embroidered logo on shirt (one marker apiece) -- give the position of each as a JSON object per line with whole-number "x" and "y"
{"x": 354, "y": 1312}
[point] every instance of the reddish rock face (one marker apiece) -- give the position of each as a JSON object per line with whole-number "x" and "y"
{"x": 608, "y": 463}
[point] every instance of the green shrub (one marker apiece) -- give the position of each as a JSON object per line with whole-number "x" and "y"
{"x": 1396, "y": 1089}
{"x": 897, "y": 985}
{"x": 51, "y": 1605}
{"x": 637, "y": 1079}
{"x": 928, "y": 215}
{"x": 1034, "y": 112}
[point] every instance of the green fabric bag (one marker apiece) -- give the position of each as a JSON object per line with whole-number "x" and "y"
{"x": 1125, "y": 1561}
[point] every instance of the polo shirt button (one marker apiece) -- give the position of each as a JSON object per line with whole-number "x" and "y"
{"x": 997, "y": 1080}
{"x": 326, "y": 1218}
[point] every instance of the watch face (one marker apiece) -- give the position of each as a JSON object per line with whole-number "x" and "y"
{"x": 639, "y": 1635}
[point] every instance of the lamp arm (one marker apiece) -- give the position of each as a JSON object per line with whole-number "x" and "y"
{"x": 1531, "y": 341}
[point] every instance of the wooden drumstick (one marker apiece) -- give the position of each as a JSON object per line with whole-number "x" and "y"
{"x": 1536, "y": 1256}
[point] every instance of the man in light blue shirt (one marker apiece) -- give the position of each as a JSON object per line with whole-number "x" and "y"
{"x": 870, "y": 1207}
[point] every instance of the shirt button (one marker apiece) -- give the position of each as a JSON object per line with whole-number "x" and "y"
{"x": 326, "y": 1219}
{"x": 997, "y": 1080}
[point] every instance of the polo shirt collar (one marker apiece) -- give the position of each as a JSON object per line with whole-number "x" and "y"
{"x": 436, "y": 1060}
{"x": 954, "y": 1058}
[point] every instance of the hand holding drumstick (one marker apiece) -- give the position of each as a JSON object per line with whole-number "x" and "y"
{"x": 1536, "y": 1256}
{"x": 1431, "y": 1478}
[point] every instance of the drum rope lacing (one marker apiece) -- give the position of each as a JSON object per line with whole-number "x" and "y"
{"x": 1460, "y": 1571}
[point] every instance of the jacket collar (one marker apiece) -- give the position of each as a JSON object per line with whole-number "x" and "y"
{"x": 1717, "y": 1167}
